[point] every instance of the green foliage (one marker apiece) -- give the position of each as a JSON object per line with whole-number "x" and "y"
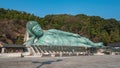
{"x": 19, "y": 40}
{"x": 93, "y": 27}
{"x": 20, "y": 15}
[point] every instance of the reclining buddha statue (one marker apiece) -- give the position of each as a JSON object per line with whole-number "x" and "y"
{"x": 52, "y": 37}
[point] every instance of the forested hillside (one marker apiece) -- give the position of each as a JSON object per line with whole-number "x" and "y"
{"x": 12, "y": 26}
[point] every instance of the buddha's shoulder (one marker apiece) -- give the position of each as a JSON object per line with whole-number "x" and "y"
{"x": 52, "y": 31}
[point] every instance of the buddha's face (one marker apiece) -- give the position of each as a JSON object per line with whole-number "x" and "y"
{"x": 37, "y": 30}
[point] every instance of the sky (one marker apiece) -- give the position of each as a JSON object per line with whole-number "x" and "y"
{"x": 103, "y": 8}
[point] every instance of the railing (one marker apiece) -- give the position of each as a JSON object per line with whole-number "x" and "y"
{"x": 63, "y": 50}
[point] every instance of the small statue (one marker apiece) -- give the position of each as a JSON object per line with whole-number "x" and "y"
{"x": 53, "y": 37}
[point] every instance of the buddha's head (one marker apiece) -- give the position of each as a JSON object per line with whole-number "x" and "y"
{"x": 34, "y": 28}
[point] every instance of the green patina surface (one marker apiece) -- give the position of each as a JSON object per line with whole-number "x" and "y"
{"x": 55, "y": 37}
